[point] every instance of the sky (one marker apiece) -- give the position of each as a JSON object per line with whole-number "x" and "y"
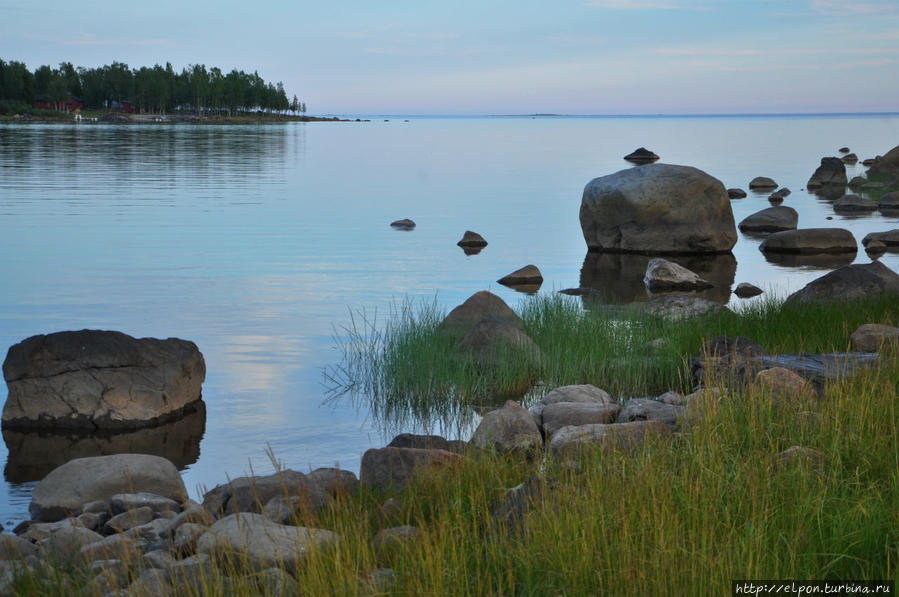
{"x": 497, "y": 56}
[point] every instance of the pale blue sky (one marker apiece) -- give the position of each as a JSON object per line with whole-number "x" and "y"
{"x": 498, "y": 57}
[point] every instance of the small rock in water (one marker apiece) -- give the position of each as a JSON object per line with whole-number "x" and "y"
{"x": 641, "y": 156}
{"x": 404, "y": 224}
{"x": 775, "y": 198}
{"x": 843, "y": 150}
{"x": 472, "y": 240}
{"x": 854, "y": 203}
{"x": 736, "y": 193}
{"x": 850, "y": 158}
{"x": 746, "y": 290}
{"x": 783, "y": 191}
{"x": 762, "y": 182}
{"x": 529, "y": 276}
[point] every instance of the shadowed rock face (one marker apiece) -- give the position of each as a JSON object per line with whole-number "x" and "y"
{"x": 849, "y": 283}
{"x": 33, "y": 454}
{"x": 831, "y": 172}
{"x": 657, "y": 209}
{"x": 618, "y": 278}
{"x": 95, "y": 379}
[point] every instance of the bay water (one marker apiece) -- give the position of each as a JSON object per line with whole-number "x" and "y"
{"x": 256, "y": 242}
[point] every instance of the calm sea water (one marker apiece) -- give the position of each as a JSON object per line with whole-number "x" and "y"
{"x": 255, "y": 241}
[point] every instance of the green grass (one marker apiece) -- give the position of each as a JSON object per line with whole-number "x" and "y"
{"x": 409, "y": 373}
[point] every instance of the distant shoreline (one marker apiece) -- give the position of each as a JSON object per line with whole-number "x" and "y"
{"x": 89, "y": 118}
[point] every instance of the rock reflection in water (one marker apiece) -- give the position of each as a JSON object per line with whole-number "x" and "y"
{"x": 33, "y": 454}
{"x": 814, "y": 260}
{"x": 618, "y": 277}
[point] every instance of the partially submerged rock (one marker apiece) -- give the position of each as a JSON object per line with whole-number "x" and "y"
{"x": 641, "y": 155}
{"x": 849, "y": 282}
{"x": 666, "y": 276}
{"x": 772, "y": 219}
{"x": 889, "y": 238}
{"x": 854, "y": 204}
{"x": 528, "y": 275}
{"x": 736, "y": 193}
{"x": 811, "y": 240}
{"x": 762, "y": 183}
{"x": 463, "y": 318}
{"x": 746, "y": 290}
{"x": 831, "y": 172}
{"x": 657, "y": 208}
{"x": 99, "y": 380}
{"x": 404, "y": 224}
{"x": 472, "y": 240}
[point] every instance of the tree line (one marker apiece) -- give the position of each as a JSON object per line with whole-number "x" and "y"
{"x": 154, "y": 89}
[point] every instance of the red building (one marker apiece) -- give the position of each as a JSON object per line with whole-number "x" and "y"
{"x": 70, "y": 104}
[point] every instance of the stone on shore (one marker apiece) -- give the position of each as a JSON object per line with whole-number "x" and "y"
{"x": 99, "y": 380}
{"x": 562, "y": 414}
{"x": 387, "y": 469}
{"x": 616, "y": 436}
{"x": 508, "y": 429}
{"x": 251, "y": 494}
{"x": 579, "y": 393}
{"x": 657, "y": 208}
{"x": 874, "y": 337}
{"x": 647, "y": 409}
{"x": 772, "y": 219}
{"x": 66, "y": 489}
{"x": 258, "y": 543}
{"x": 849, "y": 282}
{"x": 762, "y": 183}
{"x": 666, "y": 276}
{"x": 810, "y": 240}
{"x": 784, "y": 384}
{"x": 427, "y": 442}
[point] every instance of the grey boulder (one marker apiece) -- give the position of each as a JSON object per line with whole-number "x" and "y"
{"x": 63, "y": 492}
{"x": 772, "y": 219}
{"x": 831, "y": 172}
{"x": 854, "y": 204}
{"x": 508, "y": 429}
{"x": 657, "y": 208}
{"x": 849, "y": 282}
{"x": 387, "y": 469}
{"x": 810, "y": 240}
{"x": 666, "y": 276}
{"x": 463, "y": 318}
{"x": 99, "y": 380}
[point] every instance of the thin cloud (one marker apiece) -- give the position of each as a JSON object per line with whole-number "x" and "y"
{"x": 705, "y": 52}
{"x": 642, "y": 5}
{"x": 842, "y": 8}
{"x": 577, "y": 39}
{"x": 84, "y": 39}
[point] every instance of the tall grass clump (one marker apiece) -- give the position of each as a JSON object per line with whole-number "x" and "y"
{"x": 410, "y": 372}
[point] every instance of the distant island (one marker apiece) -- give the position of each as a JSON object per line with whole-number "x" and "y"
{"x": 116, "y": 92}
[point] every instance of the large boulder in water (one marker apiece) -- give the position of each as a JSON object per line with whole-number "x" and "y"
{"x": 850, "y": 282}
{"x": 772, "y": 219}
{"x": 95, "y": 379}
{"x": 658, "y": 208}
{"x": 810, "y": 240}
{"x": 831, "y": 172}
{"x": 466, "y": 316}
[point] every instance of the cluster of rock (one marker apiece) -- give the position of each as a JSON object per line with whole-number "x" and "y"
{"x": 127, "y": 521}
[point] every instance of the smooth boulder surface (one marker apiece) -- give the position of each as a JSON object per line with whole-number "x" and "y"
{"x": 94, "y": 379}
{"x": 250, "y": 494}
{"x": 874, "y": 337}
{"x": 762, "y": 183}
{"x": 562, "y": 414}
{"x": 889, "y": 238}
{"x": 854, "y": 203}
{"x": 666, "y": 276}
{"x": 392, "y": 468}
{"x": 261, "y": 543}
{"x": 772, "y": 219}
{"x": 66, "y": 489}
{"x": 850, "y": 282}
{"x": 615, "y": 436}
{"x": 647, "y": 409}
{"x": 657, "y": 208}
{"x": 811, "y": 240}
{"x": 463, "y": 318}
{"x": 508, "y": 429}
{"x": 578, "y": 393}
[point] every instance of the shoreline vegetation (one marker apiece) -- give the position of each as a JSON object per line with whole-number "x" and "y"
{"x": 761, "y": 485}
{"x": 158, "y": 91}
{"x": 117, "y": 117}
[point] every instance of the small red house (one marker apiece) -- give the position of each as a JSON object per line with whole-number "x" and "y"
{"x": 70, "y": 104}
